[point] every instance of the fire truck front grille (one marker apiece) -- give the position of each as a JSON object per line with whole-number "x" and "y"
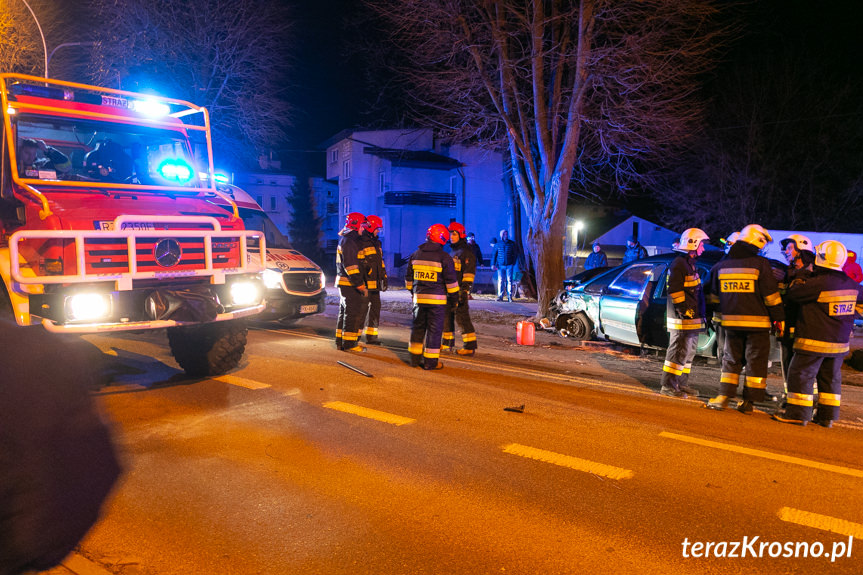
{"x": 111, "y": 255}
{"x": 303, "y": 282}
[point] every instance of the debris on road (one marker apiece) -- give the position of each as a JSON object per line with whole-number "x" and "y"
{"x": 356, "y": 369}
{"x": 517, "y": 409}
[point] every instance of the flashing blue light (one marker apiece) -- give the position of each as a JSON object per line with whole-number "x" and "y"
{"x": 176, "y": 170}
{"x": 222, "y": 178}
{"x": 150, "y": 107}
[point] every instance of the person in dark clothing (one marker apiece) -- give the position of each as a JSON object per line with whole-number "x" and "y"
{"x": 465, "y": 269}
{"x": 58, "y": 463}
{"x": 743, "y": 286}
{"x": 432, "y": 279}
{"x": 597, "y": 258}
{"x": 634, "y": 251}
{"x": 354, "y": 296}
{"x": 800, "y": 255}
{"x": 53, "y": 160}
{"x": 477, "y": 251}
{"x": 828, "y": 301}
{"x": 375, "y": 275}
{"x": 503, "y": 259}
{"x": 686, "y": 315}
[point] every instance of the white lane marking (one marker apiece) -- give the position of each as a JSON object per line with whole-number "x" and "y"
{"x": 823, "y": 522}
{"x": 569, "y": 461}
{"x": 765, "y": 454}
{"x": 242, "y": 382}
{"x": 368, "y": 413}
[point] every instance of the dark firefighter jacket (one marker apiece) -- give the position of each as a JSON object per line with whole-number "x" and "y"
{"x": 745, "y": 289}
{"x": 349, "y": 258}
{"x": 685, "y": 301}
{"x": 373, "y": 260}
{"x": 431, "y": 275}
{"x": 464, "y": 259}
{"x": 794, "y": 275}
{"x": 828, "y": 300}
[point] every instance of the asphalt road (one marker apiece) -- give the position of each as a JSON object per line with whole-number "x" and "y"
{"x": 295, "y": 464}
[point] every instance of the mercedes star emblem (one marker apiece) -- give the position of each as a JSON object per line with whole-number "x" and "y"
{"x": 167, "y": 252}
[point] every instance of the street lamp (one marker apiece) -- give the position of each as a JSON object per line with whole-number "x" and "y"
{"x": 44, "y": 45}
{"x": 51, "y": 55}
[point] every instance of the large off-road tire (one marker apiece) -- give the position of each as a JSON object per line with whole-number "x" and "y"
{"x": 210, "y": 348}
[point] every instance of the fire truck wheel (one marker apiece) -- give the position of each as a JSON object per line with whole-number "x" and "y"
{"x": 208, "y": 349}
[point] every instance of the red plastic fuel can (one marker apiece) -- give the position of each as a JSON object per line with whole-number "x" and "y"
{"x": 524, "y": 332}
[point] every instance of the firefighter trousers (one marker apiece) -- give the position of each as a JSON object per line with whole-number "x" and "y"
{"x": 374, "y": 318}
{"x": 678, "y": 358}
{"x": 461, "y": 316}
{"x": 353, "y": 307}
{"x": 804, "y": 371}
{"x": 427, "y": 325}
{"x": 753, "y": 349}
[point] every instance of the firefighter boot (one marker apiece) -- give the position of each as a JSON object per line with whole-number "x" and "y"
{"x": 719, "y": 403}
{"x": 745, "y": 407}
{"x": 466, "y": 352}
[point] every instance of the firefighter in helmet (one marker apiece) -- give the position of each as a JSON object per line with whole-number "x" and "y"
{"x": 685, "y": 313}
{"x": 431, "y": 277}
{"x": 464, "y": 259}
{"x": 828, "y": 301}
{"x": 353, "y": 300}
{"x": 800, "y": 255}
{"x": 375, "y": 275}
{"x": 748, "y": 296}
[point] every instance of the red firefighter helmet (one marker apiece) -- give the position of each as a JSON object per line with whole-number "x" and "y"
{"x": 457, "y": 228}
{"x": 438, "y": 234}
{"x": 373, "y": 223}
{"x": 354, "y": 221}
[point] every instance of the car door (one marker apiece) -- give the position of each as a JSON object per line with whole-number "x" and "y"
{"x": 624, "y": 302}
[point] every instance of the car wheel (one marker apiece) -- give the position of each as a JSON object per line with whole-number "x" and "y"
{"x": 576, "y": 326}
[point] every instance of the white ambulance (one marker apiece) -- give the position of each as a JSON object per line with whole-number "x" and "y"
{"x": 295, "y": 284}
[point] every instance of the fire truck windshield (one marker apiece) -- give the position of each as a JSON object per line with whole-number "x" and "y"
{"x": 65, "y": 149}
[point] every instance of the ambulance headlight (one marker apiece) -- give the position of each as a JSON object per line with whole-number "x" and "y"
{"x": 88, "y": 306}
{"x": 323, "y": 280}
{"x": 272, "y": 279}
{"x": 244, "y": 293}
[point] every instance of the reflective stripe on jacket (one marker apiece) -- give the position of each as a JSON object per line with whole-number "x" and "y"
{"x": 745, "y": 288}
{"x": 464, "y": 260}
{"x": 685, "y": 308}
{"x": 430, "y": 275}
{"x": 349, "y": 256}
{"x": 828, "y": 300}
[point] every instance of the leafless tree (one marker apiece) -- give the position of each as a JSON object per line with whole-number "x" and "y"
{"x": 21, "y": 48}
{"x": 783, "y": 150}
{"x": 579, "y": 93}
{"x": 228, "y": 55}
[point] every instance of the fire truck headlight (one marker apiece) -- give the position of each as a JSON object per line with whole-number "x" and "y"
{"x": 245, "y": 293}
{"x": 88, "y": 306}
{"x": 272, "y": 279}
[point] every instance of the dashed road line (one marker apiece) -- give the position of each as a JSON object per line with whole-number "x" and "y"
{"x": 765, "y": 454}
{"x": 823, "y": 522}
{"x": 242, "y": 382}
{"x": 368, "y": 413}
{"x": 569, "y": 461}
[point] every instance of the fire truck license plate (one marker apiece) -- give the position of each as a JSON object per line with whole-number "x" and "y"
{"x": 108, "y": 225}
{"x": 308, "y": 308}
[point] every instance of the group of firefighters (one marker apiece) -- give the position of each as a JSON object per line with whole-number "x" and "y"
{"x": 440, "y": 283}
{"x": 811, "y": 310}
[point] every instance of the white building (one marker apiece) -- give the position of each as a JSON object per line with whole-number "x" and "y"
{"x": 412, "y": 181}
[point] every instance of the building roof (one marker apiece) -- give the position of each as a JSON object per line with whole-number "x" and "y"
{"x": 413, "y": 158}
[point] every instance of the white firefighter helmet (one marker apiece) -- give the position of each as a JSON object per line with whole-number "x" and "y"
{"x": 755, "y": 235}
{"x": 802, "y": 242}
{"x": 690, "y": 240}
{"x": 831, "y": 254}
{"x": 733, "y": 237}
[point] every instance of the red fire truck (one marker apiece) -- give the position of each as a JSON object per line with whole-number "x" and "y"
{"x": 106, "y": 223}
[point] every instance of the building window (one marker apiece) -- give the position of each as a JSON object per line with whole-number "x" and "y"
{"x": 334, "y": 155}
{"x": 453, "y": 185}
{"x": 273, "y": 203}
{"x": 346, "y": 205}
{"x": 346, "y": 170}
{"x": 382, "y": 180}
{"x": 260, "y": 200}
